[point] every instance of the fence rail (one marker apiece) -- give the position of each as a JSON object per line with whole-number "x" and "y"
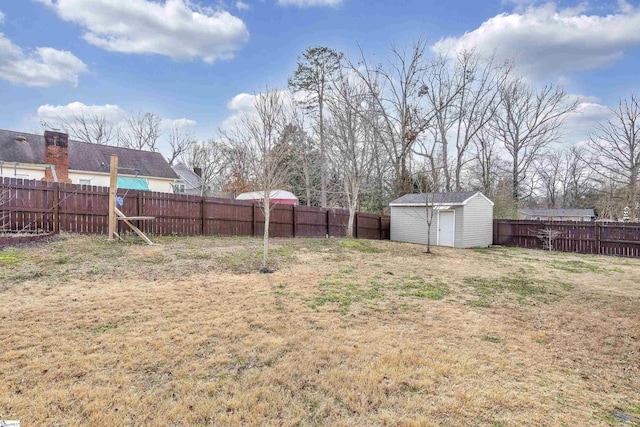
{"x": 52, "y": 207}
{"x": 607, "y": 238}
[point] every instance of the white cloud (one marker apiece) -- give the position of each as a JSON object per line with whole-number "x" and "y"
{"x": 43, "y": 67}
{"x": 175, "y": 28}
{"x": 55, "y": 113}
{"x": 578, "y": 124}
{"x": 113, "y": 113}
{"x": 309, "y": 3}
{"x": 547, "y": 41}
{"x": 240, "y": 5}
{"x": 243, "y": 104}
{"x": 182, "y": 124}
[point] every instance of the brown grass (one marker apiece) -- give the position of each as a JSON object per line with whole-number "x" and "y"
{"x": 343, "y": 333}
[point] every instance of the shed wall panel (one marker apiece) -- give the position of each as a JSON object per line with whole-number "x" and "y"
{"x": 478, "y": 223}
{"x": 409, "y": 224}
{"x": 459, "y": 236}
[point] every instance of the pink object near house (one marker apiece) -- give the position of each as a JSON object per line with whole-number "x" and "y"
{"x": 281, "y": 197}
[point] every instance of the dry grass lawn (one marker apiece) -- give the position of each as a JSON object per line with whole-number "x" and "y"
{"x": 343, "y": 333}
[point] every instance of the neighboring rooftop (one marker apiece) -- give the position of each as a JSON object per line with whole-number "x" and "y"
{"x": 191, "y": 179}
{"x": 558, "y": 212}
{"x": 23, "y": 147}
{"x": 275, "y": 194}
{"x": 454, "y": 198}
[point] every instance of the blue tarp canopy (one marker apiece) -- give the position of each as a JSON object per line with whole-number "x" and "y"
{"x": 133, "y": 183}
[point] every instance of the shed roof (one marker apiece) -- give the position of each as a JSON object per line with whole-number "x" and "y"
{"x": 84, "y": 156}
{"x": 424, "y": 199}
{"x": 558, "y": 212}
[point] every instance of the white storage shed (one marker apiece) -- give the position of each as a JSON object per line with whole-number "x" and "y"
{"x": 459, "y": 220}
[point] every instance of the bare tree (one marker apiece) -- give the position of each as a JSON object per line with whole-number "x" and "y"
{"x": 140, "y": 131}
{"x": 528, "y": 121}
{"x": 396, "y": 91}
{"x": 489, "y": 166}
{"x": 550, "y": 169}
{"x": 211, "y": 158}
{"x": 91, "y": 128}
{"x": 179, "y": 142}
{"x": 428, "y": 185}
{"x": 316, "y": 69}
{"x": 264, "y": 139}
{"x": 303, "y": 153}
{"x": 548, "y": 235}
{"x": 464, "y": 97}
{"x": 352, "y": 146}
{"x": 577, "y": 183}
{"x": 615, "y": 149}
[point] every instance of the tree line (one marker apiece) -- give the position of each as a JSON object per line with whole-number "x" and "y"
{"x": 358, "y": 132}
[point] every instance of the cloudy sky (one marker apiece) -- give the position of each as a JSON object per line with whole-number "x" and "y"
{"x": 195, "y": 61}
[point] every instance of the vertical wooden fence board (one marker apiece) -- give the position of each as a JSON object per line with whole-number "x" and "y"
{"x": 618, "y": 239}
{"x": 36, "y": 205}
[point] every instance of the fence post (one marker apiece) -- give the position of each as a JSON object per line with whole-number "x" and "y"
{"x": 56, "y": 207}
{"x": 293, "y": 213}
{"x": 328, "y": 224}
{"x": 597, "y": 233}
{"x": 380, "y": 227}
{"x": 355, "y": 225}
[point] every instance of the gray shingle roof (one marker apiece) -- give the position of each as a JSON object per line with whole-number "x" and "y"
{"x": 84, "y": 156}
{"x": 557, "y": 212}
{"x": 191, "y": 179}
{"x": 456, "y": 198}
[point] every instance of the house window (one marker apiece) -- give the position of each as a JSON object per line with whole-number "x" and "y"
{"x": 179, "y": 188}
{"x": 84, "y": 181}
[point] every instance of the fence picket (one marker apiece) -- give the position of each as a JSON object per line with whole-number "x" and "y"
{"x": 83, "y": 209}
{"x": 609, "y": 238}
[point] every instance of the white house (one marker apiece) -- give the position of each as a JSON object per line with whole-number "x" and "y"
{"x": 53, "y": 157}
{"x": 460, "y": 220}
{"x": 557, "y": 214}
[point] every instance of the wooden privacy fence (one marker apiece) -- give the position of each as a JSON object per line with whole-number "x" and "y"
{"x": 606, "y": 238}
{"x": 53, "y": 207}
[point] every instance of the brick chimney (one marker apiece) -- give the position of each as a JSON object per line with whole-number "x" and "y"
{"x": 198, "y": 171}
{"x": 56, "y": 153}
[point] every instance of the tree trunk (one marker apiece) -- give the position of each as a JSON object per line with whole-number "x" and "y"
{"x": 515, "y": 184}
{"x": 323, "y": 159}
{"x": 633, "y": 189}
{"x": 429, "y": 231}
{"x": 352, "y": 214}
{"x": 429, "y": 239}
{"x": 265, "y": 253}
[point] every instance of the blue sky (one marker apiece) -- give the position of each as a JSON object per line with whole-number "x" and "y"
{"x": 187, "y": 59}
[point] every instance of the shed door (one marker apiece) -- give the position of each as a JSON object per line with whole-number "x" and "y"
{"x": 446, "y": 228}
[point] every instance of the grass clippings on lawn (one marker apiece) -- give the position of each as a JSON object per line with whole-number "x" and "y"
{"x": 342, "y": 333}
